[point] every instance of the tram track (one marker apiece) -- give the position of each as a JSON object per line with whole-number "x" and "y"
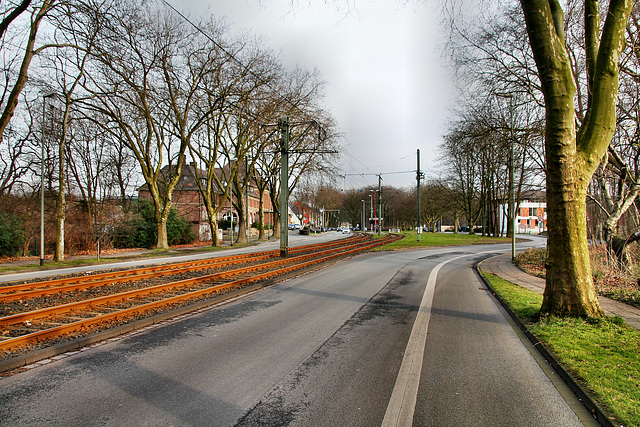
{"x": 22, "y": 291}
{"x": 80, "y": 315}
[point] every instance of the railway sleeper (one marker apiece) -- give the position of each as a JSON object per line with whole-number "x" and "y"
{"x": 52, "y": 324}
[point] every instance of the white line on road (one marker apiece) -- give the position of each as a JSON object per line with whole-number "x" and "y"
{"x": 402, "y": 403}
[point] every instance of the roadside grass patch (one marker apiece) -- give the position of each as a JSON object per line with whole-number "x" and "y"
{"x": 603, "y": 354}
{"x": 523, "y": 302}
{"x": 410, "y": 240}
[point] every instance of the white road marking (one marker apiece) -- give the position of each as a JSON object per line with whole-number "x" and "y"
{"x": 402, "y": 403}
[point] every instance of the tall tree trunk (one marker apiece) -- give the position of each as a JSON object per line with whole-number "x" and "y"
{"x": 163, "y": 240}
{"x": 61, "y": 208}
{"x": 215, "y": 239}
{"x": 572, "y": 157}
{"x": 261, "y": 225}
{"x": 242, "y": 218}
{"x": 569, "y": 289}
{"x": 276, "y": 224}
{"x": 62, "y": 183}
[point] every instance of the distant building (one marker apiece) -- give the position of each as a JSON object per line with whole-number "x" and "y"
{"x": 187, "y": 200}
{"x": 531, "y": 217}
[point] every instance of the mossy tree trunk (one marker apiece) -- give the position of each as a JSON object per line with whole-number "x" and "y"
{"x": 572, "y": 154}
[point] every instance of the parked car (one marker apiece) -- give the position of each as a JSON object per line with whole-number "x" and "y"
{"x": 463, "y": 229}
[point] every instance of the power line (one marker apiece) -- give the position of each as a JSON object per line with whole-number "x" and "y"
{"x": 232, "y": 56}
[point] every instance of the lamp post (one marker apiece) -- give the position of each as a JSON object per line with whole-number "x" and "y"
{"x": 374, "y": 213}
{"x": 379, "y": 205}
{"x": 418, "y": 178}
{"x": 512, "y": 201}
{"x": 362, "y": 223}
{"x": 44, "y": 112}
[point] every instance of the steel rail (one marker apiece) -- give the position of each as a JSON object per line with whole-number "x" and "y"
{"x": 78, "y": 305}
{"x": 140, "y": 309}
{"x": 57, "y": 286}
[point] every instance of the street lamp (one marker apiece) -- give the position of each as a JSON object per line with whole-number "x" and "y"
{"x": 512, "y": 201}
{"x": 44, "y": 112}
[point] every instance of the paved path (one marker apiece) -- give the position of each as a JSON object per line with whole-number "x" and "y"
{"x": 502, "y": 266}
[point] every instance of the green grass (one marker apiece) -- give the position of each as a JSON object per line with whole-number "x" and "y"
{"x": 439, "y": 239}
{"x": 603, "y": 353}
{"x": 523, "y": 302}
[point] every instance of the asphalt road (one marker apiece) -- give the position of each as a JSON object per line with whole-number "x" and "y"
{"x": 344, "y": 345}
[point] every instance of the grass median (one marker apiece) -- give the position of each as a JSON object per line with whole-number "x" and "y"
{"x": 410, "y": 240}
{"x": 602, "y": 354}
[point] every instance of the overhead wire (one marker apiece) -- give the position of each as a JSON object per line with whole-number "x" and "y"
{"x": 231, "y": 55}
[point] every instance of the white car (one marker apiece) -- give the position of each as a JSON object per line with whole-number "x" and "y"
{"x": 346, "y": 230}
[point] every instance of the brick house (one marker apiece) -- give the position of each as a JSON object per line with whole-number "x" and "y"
{"x": 189, "y": 203}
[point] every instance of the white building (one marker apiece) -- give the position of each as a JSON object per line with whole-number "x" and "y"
{"x": 531, "y": 217}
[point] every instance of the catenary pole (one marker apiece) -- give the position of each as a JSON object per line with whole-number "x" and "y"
{"x": 379, "y": 204}
{"x": 283, "y": 124}
{"x": 418, "y": 176}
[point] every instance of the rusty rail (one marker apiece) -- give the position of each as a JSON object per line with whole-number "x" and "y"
{"x": 79, "y": 308}
{"x": 52, "y": 287}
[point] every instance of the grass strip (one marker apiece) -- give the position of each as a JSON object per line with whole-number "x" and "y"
{"x": 410, "y": 240}
{"x": 601, "y": 353}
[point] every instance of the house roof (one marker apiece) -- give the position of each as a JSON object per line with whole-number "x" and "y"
{"x": 187, "y": 181}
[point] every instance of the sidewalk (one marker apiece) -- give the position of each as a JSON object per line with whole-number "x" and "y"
{"x": 136, "y": 253}
{"x": 36, "y": 261}
{"x": 502, "y": 266}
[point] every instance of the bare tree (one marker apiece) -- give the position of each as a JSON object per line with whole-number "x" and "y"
{"x": 148, "y": 78}
{"x": 15, "y": 70}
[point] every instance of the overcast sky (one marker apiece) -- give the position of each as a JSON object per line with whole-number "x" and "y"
{"x": 385, "y": 85}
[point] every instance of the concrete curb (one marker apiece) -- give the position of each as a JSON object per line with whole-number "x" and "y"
{"x": 582, "y": 395}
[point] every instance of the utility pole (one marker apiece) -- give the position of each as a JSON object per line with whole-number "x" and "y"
{"x": 379, "y": 204}
{"x": 371, "y": 210}
{"x": 283, "y": 124}
{"x": 362, "y": 224}
{"x": 418, "y": 178}
{"x": 512, "y": 198}
{"x": 246, "y": 197}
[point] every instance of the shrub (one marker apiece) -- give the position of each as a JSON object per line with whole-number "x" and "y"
{"x": 141, "y": 230}
{"x": 11, "y": 235}
{"x": 266, "y": 227}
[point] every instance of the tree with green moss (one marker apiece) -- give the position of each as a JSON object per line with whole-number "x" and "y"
{"x": 574, "y": 153}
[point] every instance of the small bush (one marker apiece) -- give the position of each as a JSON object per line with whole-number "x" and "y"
{"x": 141, "y": 230}
{"x": 266, "y": 227}
{"x": 11, "y": 235}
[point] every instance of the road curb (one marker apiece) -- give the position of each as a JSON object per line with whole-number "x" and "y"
{"x": 581, "y": 394}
